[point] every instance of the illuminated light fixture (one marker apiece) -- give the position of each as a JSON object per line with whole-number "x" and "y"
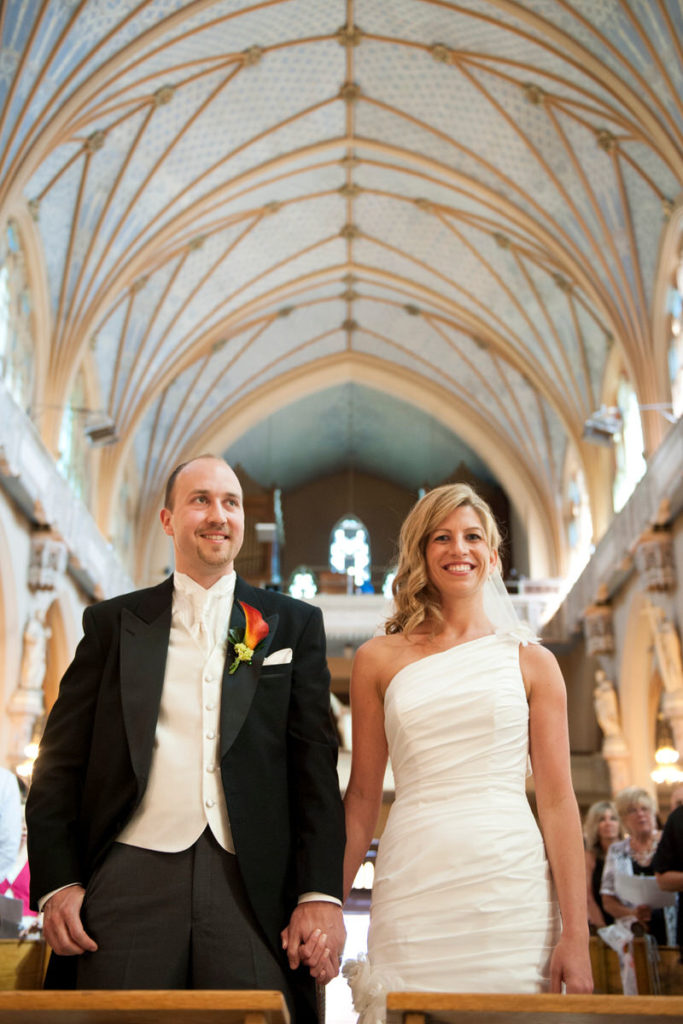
{"x": 666, "y": 757}
{"x": 25, "y": 769}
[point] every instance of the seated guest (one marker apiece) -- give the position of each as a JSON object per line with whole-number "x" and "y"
{"x": 10, "y": 820}
{"x": 601, "y": 828}
{"x": 633, "y": 856}
{"x": 668, "y": 863}
{"x": 16, "y": 882}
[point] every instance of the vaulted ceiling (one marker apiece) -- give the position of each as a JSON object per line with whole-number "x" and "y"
{"x": 241, "y": 205}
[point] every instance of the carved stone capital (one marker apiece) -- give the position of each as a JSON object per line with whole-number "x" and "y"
{"x": 598, "y": 629}
{"x": 654, "y": 558}
{"x": 48, "y": 561}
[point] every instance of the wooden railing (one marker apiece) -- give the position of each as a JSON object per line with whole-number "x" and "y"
{"x": 176, "y": 1007}
{"x": 446, "y": 1008}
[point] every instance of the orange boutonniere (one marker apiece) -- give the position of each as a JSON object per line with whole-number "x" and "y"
{"x": 247, "y": 641}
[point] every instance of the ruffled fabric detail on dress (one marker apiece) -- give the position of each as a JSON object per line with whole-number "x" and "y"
{"x": 522, "y": 633}
{"x": 369, "y": 986}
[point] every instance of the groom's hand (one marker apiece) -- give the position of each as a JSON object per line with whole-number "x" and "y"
{"x": 62, "y": 926}
{"x": 315, "y": 937}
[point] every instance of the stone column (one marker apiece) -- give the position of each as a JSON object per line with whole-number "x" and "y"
{"x": 598, "y": 631}
{"x": 668, "y": 653}
{"x": 27, "y": 705}
{"x": 614, "y": 747}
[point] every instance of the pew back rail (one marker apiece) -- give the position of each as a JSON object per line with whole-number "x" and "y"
{"x": 460, "y": 1008}
{"x": 148, "y": 1007}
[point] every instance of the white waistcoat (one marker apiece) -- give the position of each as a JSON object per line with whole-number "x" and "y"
{"x": 184, "y": 791}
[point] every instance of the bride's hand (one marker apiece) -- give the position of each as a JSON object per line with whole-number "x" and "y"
{"x": 570, "y": 963}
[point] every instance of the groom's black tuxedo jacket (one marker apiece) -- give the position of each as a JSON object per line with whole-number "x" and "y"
{"x": 277, "y": 751}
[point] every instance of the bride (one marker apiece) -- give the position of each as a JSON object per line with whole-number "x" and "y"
{"x": 464, "y": 899}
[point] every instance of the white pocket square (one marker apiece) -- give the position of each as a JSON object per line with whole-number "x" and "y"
{"x": 282, "y": 657}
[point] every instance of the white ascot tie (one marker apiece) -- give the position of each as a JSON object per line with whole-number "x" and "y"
{"x": 199, "y": 629}
{"x": 204, "y": 613}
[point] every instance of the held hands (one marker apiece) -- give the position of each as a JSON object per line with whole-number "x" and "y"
{"x": 315, "y": 937}
{"x": 62, "y": 925}
{"x": 570, "y": 963}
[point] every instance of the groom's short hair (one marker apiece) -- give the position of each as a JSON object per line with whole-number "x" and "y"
{"x": 170, "y": 483}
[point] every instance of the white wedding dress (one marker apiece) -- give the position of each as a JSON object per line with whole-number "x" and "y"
{"x": 462, "y": 899}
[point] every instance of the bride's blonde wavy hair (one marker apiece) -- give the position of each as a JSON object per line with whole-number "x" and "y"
{"x": 415, "y": 597}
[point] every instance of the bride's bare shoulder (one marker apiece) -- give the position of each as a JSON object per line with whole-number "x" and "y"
{"x": 381, "y": 646}
{"x": 381, "y": 657}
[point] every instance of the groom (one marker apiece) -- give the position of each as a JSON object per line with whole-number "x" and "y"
{"x": 185, "y": 807}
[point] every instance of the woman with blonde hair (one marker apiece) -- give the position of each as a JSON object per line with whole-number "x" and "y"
{"x": 457, "y": 694}
{"x": 600, "y": 829}
{"x": 633, "y": 856}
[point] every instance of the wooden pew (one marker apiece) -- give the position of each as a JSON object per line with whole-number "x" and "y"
{"x": 660, "y": 975}
{"x": 451, "y": 1008}
{"x": 148, "y": 1007}
{"x": 22, "y": 963}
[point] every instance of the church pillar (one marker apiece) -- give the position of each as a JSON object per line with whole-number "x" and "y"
{"x": 598, "y": 629}
{"x": 654, "y": 560}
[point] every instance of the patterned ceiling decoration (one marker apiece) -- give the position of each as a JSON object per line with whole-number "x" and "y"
{"x": 459, "y": 203}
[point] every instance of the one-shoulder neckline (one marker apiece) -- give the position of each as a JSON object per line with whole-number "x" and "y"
{"x": 438, "y": 654}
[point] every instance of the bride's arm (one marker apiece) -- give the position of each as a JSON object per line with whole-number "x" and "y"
{"x": 558, "y": 814}
{"x": 368, "y": 759}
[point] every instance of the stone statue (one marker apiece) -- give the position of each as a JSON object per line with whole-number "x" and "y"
{"x": 33, "y": 660}
{"x": 606, "y": 705}
{"x": 668, "y": 650}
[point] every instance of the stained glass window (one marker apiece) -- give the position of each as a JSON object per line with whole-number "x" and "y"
{"x": 578, "y": 519}
{"x": 303, "y": 584}
{"x": 628, "y": 449}
{"x": 675, "y": 309}
{"x": 16, "y": 340}
{"x": 387, "y": 585}
{"x": 124, "y": 517}
{"x": 350, "y": 550}
{"x": 73, "y": 446}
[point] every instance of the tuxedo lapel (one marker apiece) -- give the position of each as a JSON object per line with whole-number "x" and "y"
{"x": 239, "y": 688}
{"x": 143, "y": 650}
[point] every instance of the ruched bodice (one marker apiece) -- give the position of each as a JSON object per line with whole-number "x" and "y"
{"x": 424, "y": 706}
{"x": 462, "y": 898}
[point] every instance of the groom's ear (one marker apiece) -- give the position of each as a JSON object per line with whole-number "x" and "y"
{"x": 166, "y": 517}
